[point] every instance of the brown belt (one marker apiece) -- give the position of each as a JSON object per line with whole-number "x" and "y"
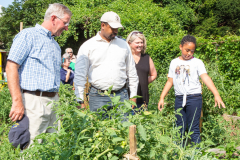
{"x": 44, "y": 94}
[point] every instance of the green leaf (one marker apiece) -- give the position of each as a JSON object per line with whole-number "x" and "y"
{"x": 111, "y": 132}
{"x": 116, "y": 99}
{"x": 118, "y": 150}
{"x": 127, "y": 124}
{"x": 142, "y": 132}
{"x": 81, "y": 114}
{"x": 146, "y": 113}
{"x": 114, "y": 158}
{"x": 110, "y": 89}
{"x": 87, "y": 150}
{"x": 164, "y": 139}
{"x": 128, "y": 104}
{"x": 152, "y": 153}
{"x": 209, "y": 142}
{"x": 117, "y": 139}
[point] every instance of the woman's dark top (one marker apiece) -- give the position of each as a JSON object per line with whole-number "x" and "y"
{"x": 63, "y": 74}
{"x": 143, "y": 69}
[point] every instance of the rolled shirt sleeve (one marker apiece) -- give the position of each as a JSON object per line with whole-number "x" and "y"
{"x": 81, "y": 72}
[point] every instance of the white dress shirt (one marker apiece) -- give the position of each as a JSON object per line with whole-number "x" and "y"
{"x": 106, "y": 64}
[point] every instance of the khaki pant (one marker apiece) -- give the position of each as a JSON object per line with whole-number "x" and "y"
{"x": 40, "y": 114}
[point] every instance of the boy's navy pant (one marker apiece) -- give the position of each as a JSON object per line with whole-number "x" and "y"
{"x": 193, "y": 106}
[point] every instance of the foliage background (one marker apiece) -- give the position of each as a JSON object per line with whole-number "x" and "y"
{"x": 164, "y": 23}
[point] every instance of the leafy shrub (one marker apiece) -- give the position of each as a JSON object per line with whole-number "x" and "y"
{"x": 87, "y": 135}
{"x": 5, "y": 104}
{"x": 224, "y": 51}
{"x": 7, "y": 151}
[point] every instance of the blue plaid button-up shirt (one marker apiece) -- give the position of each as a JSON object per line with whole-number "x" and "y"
{"x": 39, "y": 57}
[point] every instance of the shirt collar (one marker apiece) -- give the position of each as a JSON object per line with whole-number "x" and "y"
{"x": 44, "y": 31}
{"x": 73, "y": 57}
{"x": 99, "y": 38}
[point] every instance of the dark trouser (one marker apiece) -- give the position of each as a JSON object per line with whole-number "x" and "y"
{"x": 97, "y": 100}
{"x": 142, "y": 108}
{"x": 193, "y": 106}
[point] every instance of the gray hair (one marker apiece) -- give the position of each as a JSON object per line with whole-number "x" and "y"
{"x": 131, "y": 37}
{"x": 57, "y": 10}
{"x": 65, "y": 55}
{"x": 67, "y": 49}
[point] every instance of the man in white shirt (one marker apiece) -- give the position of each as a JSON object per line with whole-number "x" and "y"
{"x": 107, "y": 61}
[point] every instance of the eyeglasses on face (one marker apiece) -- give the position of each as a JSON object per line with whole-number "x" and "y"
{"x": 134, "y": 33}
{"x": 66, "y": 24}
{"x": 69, "y": 52}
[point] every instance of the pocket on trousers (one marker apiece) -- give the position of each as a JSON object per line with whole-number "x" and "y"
{"x": 93, "y": 92}
{"x": 125, "y": 94}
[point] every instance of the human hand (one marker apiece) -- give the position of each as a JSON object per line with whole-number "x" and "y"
{"x": 219, "y": 102}
{"x": 83, "y": 106}
{"x": 17, "y": 111}
{"x": 161, "y": 104}
{"x": 68, "y": 70}
{"x": 133, "y": 106}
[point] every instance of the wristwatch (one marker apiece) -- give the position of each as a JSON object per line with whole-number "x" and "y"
{"x": 80, "y": 102}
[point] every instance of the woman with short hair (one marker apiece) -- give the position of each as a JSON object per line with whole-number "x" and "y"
{"x": 66, "y": 72}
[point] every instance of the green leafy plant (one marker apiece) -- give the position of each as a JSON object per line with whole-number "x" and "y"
{"x": 5, "y": 104}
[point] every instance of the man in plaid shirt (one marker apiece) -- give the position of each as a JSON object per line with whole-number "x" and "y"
{"x": 33, "y": 70}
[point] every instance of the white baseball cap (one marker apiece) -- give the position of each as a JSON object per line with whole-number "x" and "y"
{"x": 112, "y": 19}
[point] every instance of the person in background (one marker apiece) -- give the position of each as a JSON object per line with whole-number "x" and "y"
{"x": 107, "y": 61}
{"x": 33, "y": 71}
{"x": 73, "y": 58}
{"x": 66, "y": 72}
{"x": 184, "y": 73}
{"x": 144, "y": 64}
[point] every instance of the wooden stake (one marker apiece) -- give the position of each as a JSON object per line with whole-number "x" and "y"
{"x": 21, "y": 26}
{"x": 133, "y": 140}
{"x": 130, "y": 157}
{"x": 133, "y": 144}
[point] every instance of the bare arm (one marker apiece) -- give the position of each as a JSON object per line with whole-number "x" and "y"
{"x": 209, "y": 83}
{"x": 153, "y": 73}
{"x": 166, "y": 88}
{"x": 17, "y": 109}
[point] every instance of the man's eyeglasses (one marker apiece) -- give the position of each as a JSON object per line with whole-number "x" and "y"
{"x": 65, "y": 23}
{"x": 135, "y": 33}
{"x": 69, "y": 52}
